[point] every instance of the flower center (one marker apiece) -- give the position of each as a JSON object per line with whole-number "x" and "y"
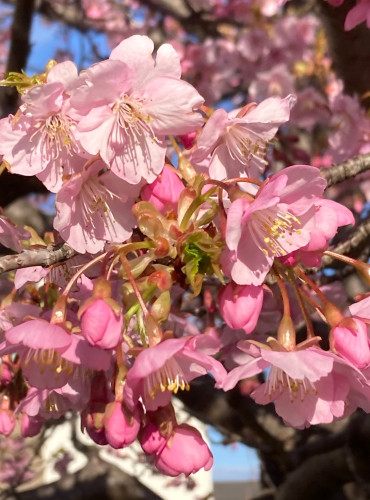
{"x": 131, "y": 116}
{"x": 273, "y": 231}
{"x": 169, "y": 377}
{"x": 279, "y": 381}
{"x": 57, "y": 136}
{"x": 94, "y": 198}
{"x": 244, "y": 145}
{"x": 49, "y": 359}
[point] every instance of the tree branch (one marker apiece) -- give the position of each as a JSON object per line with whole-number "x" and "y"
{"x": 44, "y": 257}
{"x": 346, "y": 170}
{"x": 354, "y": 244}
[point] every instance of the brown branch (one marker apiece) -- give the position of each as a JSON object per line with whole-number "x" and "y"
{"x": 44, "y": 257}
{"x": 346, "y": 170}
{"x": 357, "y": 241}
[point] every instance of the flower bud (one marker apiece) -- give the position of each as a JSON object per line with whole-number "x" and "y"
{"x": 240, "y": 306}
{"x": 100, "y": 325}
{"x": 121, "y": 425}
{"x": 30, "y": 426}
{"x": 7, "y": 422}
{"x": 185, "y": 452}
{"x": 351, "y": 342}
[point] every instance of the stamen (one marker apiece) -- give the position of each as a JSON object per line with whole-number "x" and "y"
{"x": 169, "y": 377}
{"x": 56, "y": 136}
{"x": 278, "y": 380}
{"x": 271, "y": 225}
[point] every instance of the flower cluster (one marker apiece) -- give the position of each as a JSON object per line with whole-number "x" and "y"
{"x": 161, "y": 197}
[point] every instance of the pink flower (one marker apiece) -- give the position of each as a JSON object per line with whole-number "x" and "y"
{"x": 236, "y": 144}
{"x": 41, "y": 140}
{"x": 11, "y": 236}
{"x": 129, "y": 103}
{"x": 49, "y": 355}
{"x": 240, "y": 306}
{"x": 168, "y": 367}
{"x": 94, "y": 207}
{"x": 276, "y": 223}
{"x": 308, "y": 386}
{"x": 100, "y": 325}
{"x": 121, "y": 425}
{"x": 329, "y": 216}
{"x": 165, "y": 191}
{"x": 185, "y": 452}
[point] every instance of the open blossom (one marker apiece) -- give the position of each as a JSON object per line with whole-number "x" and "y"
{"x": 49, "y": 355}
{"x": 41, "y": 139}
{"x": 168, "y": 367}
{"x": 278, "y": 221}
{"x": 308, "y": 386}
{"x": 237, "y": 144}
{"x": 94, "y": 207}
{"x": 129, "y": 103}
{"x": 329, "y": 215}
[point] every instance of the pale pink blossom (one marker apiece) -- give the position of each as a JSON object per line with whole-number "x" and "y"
{"x": 94, "y": 207}
{"x": 307, "y": 385}
{"x": 168, "y": 367}
{"x": 329, "y": 215}
{"x": 240, "y": 306}
{"x": 129, "y": 103}
{"x": 237, "y": 144}
{"x": 41, "y": 139}
{"x": 50, "y": 356}
{"x": 275, "y": 82}
{"x": 276, "y": 223}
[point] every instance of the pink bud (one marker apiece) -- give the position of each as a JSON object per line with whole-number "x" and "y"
{"x": 164, "y": 192}
{"x": 7, "y": 422}
{"x": 240, "y": 306}
{"x": 351, "y": 341}
{"x": 185, "y": 451}
{"x": 151, "y": 439}
{"x": 92, "y": 420}
{"x": 188, "y": 139}
{"x": 100, "y": 325}
{"x": 121, "y": 425}
{"x": 30, "y": 426}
